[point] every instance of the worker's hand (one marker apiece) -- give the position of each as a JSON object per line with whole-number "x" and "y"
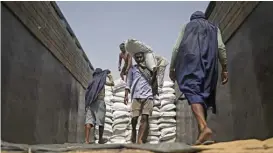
{"x": 119, "y": 68}
{"x": 172, "y": 75}
{"x": 224, "y": 77}
{"x": 126, "y": 99}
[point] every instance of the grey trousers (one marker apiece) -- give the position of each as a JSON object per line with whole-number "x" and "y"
{"x": 95, "y": 113}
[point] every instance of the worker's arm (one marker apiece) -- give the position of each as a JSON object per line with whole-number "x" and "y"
{"x": 222, "y": 51}
{"x": 128, "y": 85}
{"x": 129, "y": 58}
{"x": 111, "y": 81}
{"x": 129, "y": 81}
{"x": 119, "y": 62}
{"x": 176, "y": 48}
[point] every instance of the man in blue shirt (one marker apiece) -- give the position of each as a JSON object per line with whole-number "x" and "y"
{"x": 139, "y": 85}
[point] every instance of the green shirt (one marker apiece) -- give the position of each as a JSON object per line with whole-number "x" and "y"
{"x": 221, "y": 48}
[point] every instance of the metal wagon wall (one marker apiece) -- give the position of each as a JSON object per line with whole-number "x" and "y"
{"x": 44, "y": 75}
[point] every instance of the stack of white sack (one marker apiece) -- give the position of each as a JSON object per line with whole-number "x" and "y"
{"x": 167, "y": 121}
{"x": 108, "y": 131}
{"x": 121, "y": 113}
{"x": 154, "y": 131}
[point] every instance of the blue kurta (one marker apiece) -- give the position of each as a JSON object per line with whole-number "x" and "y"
{"x": 97, "y": 84}
{"x": 197, "y": 62}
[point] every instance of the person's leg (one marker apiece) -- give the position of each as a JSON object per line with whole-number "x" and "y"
{"x": 204, "y": 131}
{"x": 147, "y": 108}
{"x": 142, "y": 132}
{"x": 134, "y": 123}
{"x": 100, "y": 118}
{"x": 122, "y": 75}
{"x": 135, "y": 114}
{"x": 88, "y": 125}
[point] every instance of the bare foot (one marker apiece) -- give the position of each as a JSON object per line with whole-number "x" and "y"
{"x": 204, "y": 136}
{"x": 139, "y": 142}
{"x": 87, "y": 142}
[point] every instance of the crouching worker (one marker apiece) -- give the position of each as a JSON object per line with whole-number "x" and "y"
{"x": 94, "y": 102}
{"x": 139, "y": 84}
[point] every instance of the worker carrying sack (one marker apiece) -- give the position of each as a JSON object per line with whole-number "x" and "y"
{"x": 133, "y": 46}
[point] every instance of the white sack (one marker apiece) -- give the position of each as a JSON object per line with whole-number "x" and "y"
{"x": 117, "y": 140}
{"x": 121, "y": 120}
{"x": 119, "y": 127}
{"x": 170, "y": 140}
{"x": 167, "y": 120}
{"x": 152, "y": 138}
{"x": 118, "y": 114}
{"x": 156, "y": 103}
{"x": 153, "y": 126}
{"x": 120, "y": 94}
{"x": 120, "y": 107}
{"x": 167, "y": 136}
{"x": 168, "y": 90}
{"x": 108, "y": 99}
{"x": 108, "y": 93}
{"x": 116, "y": 99}
{"x": 168, "y": 84}
{"x": 108, "y": 108}
{"x": 108, "y": 114}
{"x": 119, "y": 131}
{"x": 166, "y": 131}
{"x": 153, "y": 121}
{"x": 165, "y": 102}
{"x": 156, "y": 109}
{"x": 170, "y": 114}
{"x": 108, "y": 120}
{"x": 155, "y": 114}
{"x": 167, "y": 107}
{"x": 154, "y": 133}
{"x": 167, "y": 96}
{"x": 166, "y": 125}
{"x": 108, "y": 88}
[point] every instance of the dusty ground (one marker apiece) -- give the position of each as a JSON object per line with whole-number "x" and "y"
{"x": 240, "y": 146}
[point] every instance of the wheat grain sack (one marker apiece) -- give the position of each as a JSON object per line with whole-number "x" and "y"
{"x": 108, "y": 88}
{"x": 153, "y": 120}
{"x": 156, "y": 109}
{"x": 152, "y": 138}
{"x": 167, "y": 130}
{"x": 167, "y": 97}
{"x": 166, "y": 120}
{"x": 118, "y": 140}
{"x": 168, "y": 114}
{"x": 168, "y": 90}
{"x": 154, "y": 133}
{"x": 167, "y": 137}
{"x": 167, "y": 84}
{"x": 121, "y": 107}
{"x": 118, "y": 114}
{"x": 168, "y": 107}
{"x": 166, "y": 102}
{"x": 121, "y": 120}
{"x": 108, "y": 93}
{"x": 166, "y": 125}
{"x": 156, "y": 103}
{"x": 108, "y": 121}
{"x": 109, "y": 115}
